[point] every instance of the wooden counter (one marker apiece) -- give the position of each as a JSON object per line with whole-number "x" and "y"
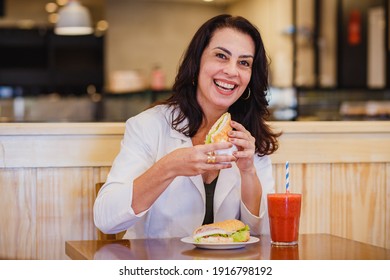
{"x": 48, "y": 172}
{"x": 310, "y": 247}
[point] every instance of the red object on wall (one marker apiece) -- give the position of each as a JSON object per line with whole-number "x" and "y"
{"x": 354, "y": 28}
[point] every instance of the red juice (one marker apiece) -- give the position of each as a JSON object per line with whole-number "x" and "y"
{"x": 284, "y": 210}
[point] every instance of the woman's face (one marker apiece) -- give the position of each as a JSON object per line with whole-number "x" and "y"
{"x": 225, "y": 69}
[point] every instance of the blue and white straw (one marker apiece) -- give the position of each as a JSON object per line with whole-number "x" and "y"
{"x": 287, "y": 176}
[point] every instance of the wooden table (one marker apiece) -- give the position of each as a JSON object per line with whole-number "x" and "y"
{"x": 311, "y": 247}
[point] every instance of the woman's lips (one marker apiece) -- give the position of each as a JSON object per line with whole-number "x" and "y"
{"x": 224, "y": 85}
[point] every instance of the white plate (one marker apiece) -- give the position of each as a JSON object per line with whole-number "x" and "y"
{"x": 220, "y": 246}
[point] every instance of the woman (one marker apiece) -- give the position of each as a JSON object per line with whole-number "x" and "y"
{"x": 162, "y": 183}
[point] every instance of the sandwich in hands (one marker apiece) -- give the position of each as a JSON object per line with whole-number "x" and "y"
{"x": 220, "y": 129}
{"x": 222, "y": 232}
{"x": 219, "y": 133}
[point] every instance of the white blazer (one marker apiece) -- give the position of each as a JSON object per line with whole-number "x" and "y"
{"x": 181, "y": 207}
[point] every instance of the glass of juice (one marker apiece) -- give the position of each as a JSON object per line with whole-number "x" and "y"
{"x": 284, "y": 210}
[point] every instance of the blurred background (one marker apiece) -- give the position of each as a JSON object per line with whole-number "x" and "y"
{"x": 329, "y": 59}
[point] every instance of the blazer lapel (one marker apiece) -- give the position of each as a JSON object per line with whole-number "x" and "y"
{"x": 228, "y": 178}
{"x": 198, "y": 182}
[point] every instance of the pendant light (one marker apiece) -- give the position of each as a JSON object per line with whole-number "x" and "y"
{"x": 74, "y": 19}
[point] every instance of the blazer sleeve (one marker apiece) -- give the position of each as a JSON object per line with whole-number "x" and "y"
{"x": 112, "y": 208}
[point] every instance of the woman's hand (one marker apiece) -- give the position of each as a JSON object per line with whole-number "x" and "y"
{"x": 199, "y": 159}
{"x": 245, "y": 144}
{"x": 190, "y": 161}
{"x": 251, "y": 189}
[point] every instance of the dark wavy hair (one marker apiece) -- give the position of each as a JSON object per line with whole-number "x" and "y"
{"x": 251, "y": 113}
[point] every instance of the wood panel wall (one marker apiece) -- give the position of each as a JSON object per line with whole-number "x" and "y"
{"x": 47, "y": 191}
{"x": 44, "y": 207}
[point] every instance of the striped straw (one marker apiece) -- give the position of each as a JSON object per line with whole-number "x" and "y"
{"x": 287, "y": 176}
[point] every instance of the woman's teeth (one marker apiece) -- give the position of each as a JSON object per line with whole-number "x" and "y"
{"x": 224, "y": 86}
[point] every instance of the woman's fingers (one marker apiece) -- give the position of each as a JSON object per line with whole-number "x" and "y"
{"x": 245, "y": 142}
{"x": 243, "y": 139}
{"x": 210, "y": 148}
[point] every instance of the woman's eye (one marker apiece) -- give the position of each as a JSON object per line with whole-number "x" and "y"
{"x": 221, "y": 55}
{"x": 245, "y": 63}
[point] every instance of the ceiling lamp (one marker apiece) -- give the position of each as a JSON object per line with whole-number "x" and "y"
{"x": 74, "y": 19}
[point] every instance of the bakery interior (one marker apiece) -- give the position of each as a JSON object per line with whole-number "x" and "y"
{"x": 319, "y": 69}
{"x": 64, "y": 100}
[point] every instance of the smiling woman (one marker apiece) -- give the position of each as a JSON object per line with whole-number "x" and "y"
{"x": 224, "y": 58}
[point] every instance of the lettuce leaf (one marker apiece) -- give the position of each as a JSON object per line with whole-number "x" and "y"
{"x": 240, "y": 235}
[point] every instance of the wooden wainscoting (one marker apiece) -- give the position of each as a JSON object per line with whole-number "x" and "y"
{"x": 44, "y": 207}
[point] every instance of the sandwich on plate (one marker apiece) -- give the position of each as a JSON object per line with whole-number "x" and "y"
{"x": 227, "y": 231}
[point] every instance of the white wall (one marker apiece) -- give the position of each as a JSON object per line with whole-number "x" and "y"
{"x": 143, "y": 34}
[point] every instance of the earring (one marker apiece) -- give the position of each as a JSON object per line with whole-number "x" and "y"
{"x": 249, "y": 94}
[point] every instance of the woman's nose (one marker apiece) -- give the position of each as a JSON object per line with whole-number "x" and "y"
{"x": 231, "y": 69}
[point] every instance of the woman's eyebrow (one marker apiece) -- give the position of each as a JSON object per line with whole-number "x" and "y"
{"x": 229, "y": 52}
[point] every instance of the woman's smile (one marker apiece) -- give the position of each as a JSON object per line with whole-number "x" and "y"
{"x": 225, "y": 86}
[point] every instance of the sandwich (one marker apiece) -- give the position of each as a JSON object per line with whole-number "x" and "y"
{"x": 220, "y": 129}
{"x": 222, "y": 232}
{"x": 219, "y": 133}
